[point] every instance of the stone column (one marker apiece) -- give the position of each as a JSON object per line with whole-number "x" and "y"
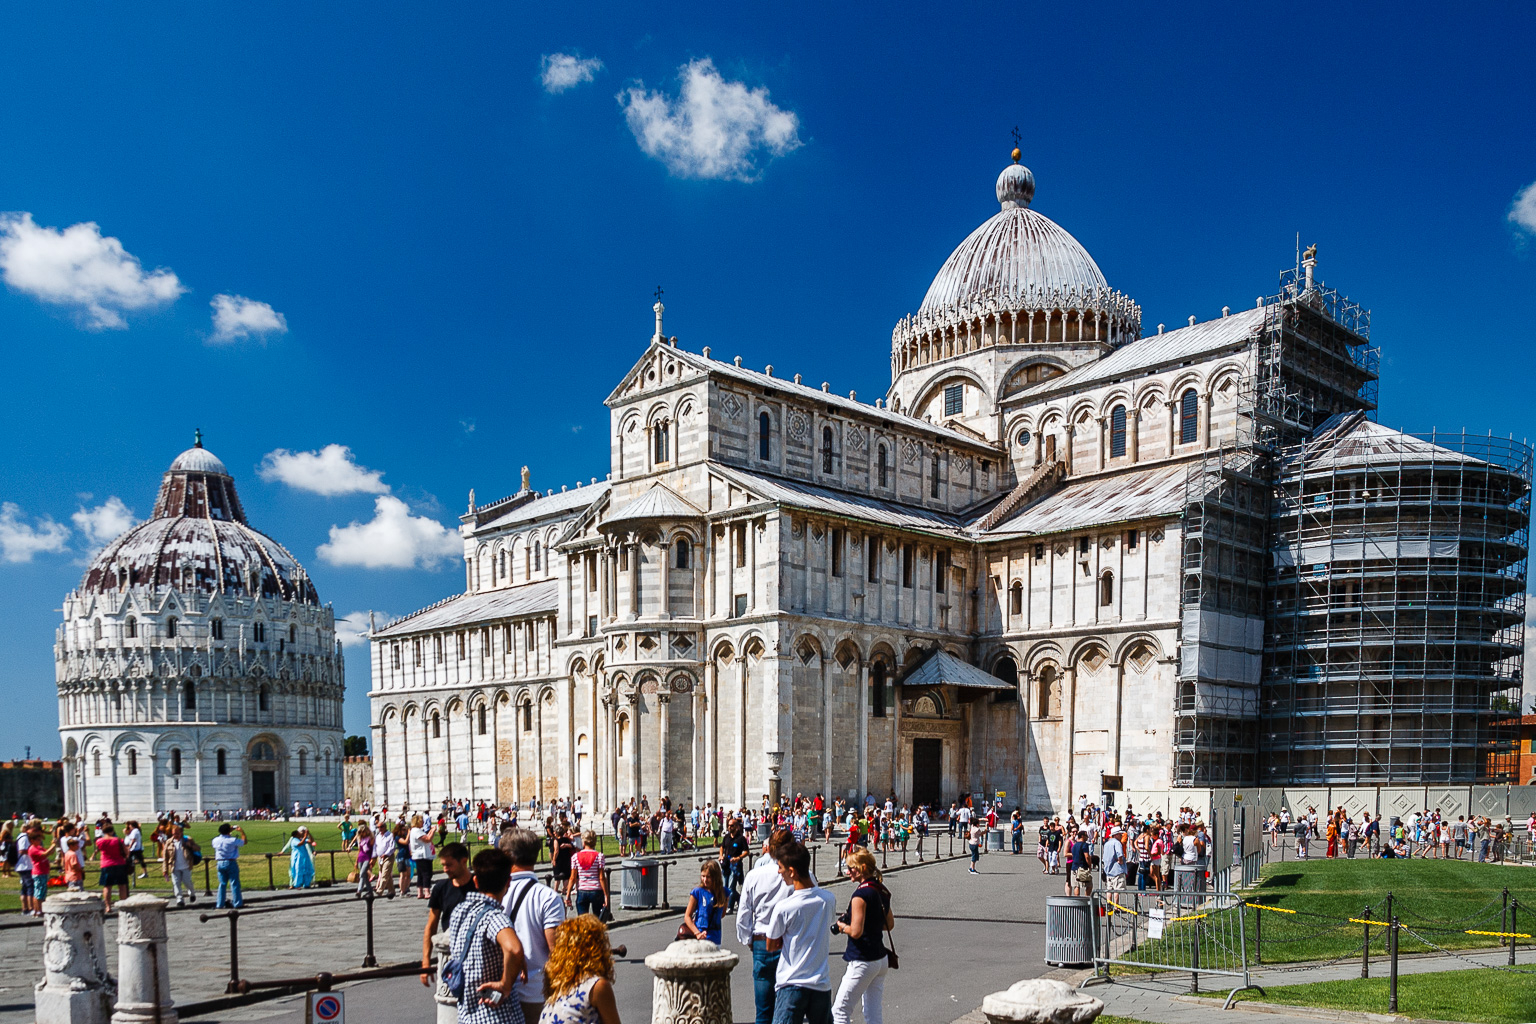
{"x": 143, "y": 969}
{"x": 447, "y": 1005}
{"x": 693, "y": 983}
{"x": 664, "y": 730}
{"x": 76, "y": 988}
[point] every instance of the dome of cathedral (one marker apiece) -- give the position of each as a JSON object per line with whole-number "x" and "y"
{"x": 1016, "y": 256}
{"x": 197, "y": 539}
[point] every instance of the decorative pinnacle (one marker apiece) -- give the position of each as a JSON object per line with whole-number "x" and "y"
{"x": 197, "y": 438}
{"x": 1017, "y": 153}
{"x": 658, "y": 309}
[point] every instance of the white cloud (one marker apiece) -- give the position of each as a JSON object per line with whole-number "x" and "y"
{"x": 19, "y": 541}
{"x": 1522, "y": 212}
{"x": 236, "y": 317}
{"x": 329, "y": 471}
{"x": 80, "y": 268}
{"x": 352, "y": 629}
{"x": 392, "y": 539}
{"x": 562, "y": 71}
{"x": 713, "y": 129}
{"x": 102, "y": 524}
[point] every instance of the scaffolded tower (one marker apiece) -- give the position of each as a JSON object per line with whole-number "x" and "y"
{"x": 1311, "y": 360}
{"x": 1397, "y": 608}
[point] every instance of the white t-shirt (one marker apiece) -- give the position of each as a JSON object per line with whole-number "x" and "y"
{"x": 421, "y": 846}
{"x": 803, "y": 919}
{"x": 383, "y": 844}
{"x": 134, "y": 840}
{"x": 542, "y": 909}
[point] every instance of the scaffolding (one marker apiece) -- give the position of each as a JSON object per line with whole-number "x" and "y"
{"x": 1310, "y": 361}
{"x": 1396, "y": 608}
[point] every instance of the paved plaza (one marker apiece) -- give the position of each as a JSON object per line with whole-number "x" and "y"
{"x": 960, "y": 937}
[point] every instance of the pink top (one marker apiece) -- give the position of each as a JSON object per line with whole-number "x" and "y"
{"x": 38, "y": 854}
{"x": 110, "y": 850}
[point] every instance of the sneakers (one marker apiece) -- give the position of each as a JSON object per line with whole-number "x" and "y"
{"x": 973, "y": 871}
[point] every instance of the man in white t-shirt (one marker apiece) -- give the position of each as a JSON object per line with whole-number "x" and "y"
{"x": 535, "y": 911}
{"x": 800, "y": 930}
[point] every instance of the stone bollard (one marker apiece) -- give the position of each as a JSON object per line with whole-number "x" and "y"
{"x": 1041, "y": 1001}
{"x": 693, "y": 983}
{"x": 76, "y": 988}
{"x": 447, "y": 1006}
{"x": 143, "y": 969}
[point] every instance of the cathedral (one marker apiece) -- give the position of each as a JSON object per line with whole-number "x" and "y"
{"x": 196, "y": 667}
{"x": 1061, "y": 555}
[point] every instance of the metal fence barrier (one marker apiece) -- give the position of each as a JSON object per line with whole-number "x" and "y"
{"x": 1197, "y": 932}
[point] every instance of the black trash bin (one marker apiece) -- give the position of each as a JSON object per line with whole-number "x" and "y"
{"x": 639, "y": 888}
{"x": 1069, "y": 931}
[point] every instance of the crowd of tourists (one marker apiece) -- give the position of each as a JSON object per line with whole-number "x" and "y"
{"x": 1426, "y": 834}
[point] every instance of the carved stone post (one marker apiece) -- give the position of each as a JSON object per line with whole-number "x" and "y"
{"x": 693, "y": 983}
{"x": 76, "y": 988}
{"x": 447, "y": 1005}
{"x": 143, "y": 970}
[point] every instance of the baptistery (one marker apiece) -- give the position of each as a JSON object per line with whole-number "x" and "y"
{"x": 197, "y": 668}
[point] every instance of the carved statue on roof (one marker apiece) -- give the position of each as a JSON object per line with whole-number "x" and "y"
{"x": 1309, "y": 253}
{"x": 526, "y": 479}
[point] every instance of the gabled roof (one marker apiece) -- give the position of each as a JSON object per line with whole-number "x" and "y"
{"x": 487, "y": 606}
{"x": 840, "y": 504}
{"x": 660, "y": 502}
{"x": 553, "y": 504}
{"x": 850, "y": 406}
{"x": 1349, "y": 440}
{"x": 1101, "y": 501}
{"x": 1158, "y": 350}
{"x": 944, "y": 669}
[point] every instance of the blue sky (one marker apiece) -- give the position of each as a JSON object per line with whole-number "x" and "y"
{"x": 434, "y": 242}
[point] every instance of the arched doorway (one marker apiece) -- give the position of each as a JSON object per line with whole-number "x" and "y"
{"x": 264, "y": 767}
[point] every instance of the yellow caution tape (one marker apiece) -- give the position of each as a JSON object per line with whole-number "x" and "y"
{"x": 1278, "y": 910}
{"x": 1502, "y": 935}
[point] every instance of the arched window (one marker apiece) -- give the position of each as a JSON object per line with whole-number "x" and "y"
{"x": 133, "y": 761}
{"x": 883, "y": 466}
{"x": 437, "y": 726}
{"x": 933, "y": 476}
{"x": 303, "y": 761}
{"x": 877, "y": 690}
{"x": 1117, "y": 432}
{"x": 663, "y": 442}
{"x": 1047, "y": 683}
{"x": 221, "y": 762}
{"x": 327, "y": 762}
{"x": 1107, "y": 588}
{"x": 1006, "y": 670}
{"x": 189, "y": 695}
{"x": 96, "y": 629}
{"x": 527, "y": 716}
{"x": 503, "y": 565}
{"x": 416, "y": 653}
{"x": 293, "y": 633}
{"x": 1189, "y": 417}
{"x": 623, "y": 735}
{"x": 263, "y": 752}
{"x": 175, "y": 760}
{"x": 259, "y": 634}
{"x": 826, "y": 449}
{"x": 1016, "y": 598}
{"x": 264, "y": 696}
{"x": 764, "y": 426}
{"x": 170, "y": 628}
{"x": 538, "y": 557}
{"x": 482, "y": 719}
{"x": 684, "y": 553}
{"x": 131, "y": 627}
{"x": 96, "y": 762}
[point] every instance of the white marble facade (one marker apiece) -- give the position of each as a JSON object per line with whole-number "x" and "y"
{"x": 196, "y": 667}
{"x": 761, "y": 584}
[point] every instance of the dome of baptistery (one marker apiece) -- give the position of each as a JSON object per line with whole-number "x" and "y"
{"x": 197, "y": 668}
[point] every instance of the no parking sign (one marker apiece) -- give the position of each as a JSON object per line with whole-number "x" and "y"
{"x": 325, "y": 1008}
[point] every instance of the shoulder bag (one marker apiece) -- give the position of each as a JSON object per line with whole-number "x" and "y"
{"x": 891, "y": 960}
{"x": 453, "y": 970}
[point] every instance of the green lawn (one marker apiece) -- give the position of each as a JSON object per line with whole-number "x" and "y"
{"x": 1440, "y": 899}
{"x": 1475, "y": 996}
{"x": 263, "y": 837}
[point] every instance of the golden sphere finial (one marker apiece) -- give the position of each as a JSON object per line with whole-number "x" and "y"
{"x": 1017, "y": 153}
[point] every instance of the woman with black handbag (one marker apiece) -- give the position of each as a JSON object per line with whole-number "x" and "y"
{"x": 867, "y": 919}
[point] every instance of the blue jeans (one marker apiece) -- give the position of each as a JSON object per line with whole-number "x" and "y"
{"x": 734, "y": 879}
{"x": 229, "y": 881}
{"x": 793, "y": 1004}
{"x": 589, "y": 901}
{"x": 764, "y": 966}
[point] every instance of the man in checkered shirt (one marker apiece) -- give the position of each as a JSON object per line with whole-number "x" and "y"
{"x": 493, "y": 957}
